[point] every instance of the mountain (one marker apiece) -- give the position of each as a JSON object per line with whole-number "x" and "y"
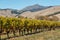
{"x": 14, "y": 12}
{"x": 32, "y": 11}
{"x": 34, "y": 8}
{"x": 53, "y": 11}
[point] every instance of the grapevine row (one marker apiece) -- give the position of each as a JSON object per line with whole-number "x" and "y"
{"x": 23, "y": 25}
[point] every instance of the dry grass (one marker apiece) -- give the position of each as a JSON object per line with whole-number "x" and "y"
{"x": 48, "y": 35}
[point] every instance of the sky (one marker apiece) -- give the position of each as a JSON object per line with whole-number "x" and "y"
{"x": 20, "y": 4}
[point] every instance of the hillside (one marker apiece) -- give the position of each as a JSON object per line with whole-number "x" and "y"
{"x": 32, "y": 11}
{"x": 44, "y": 12}
{"x": 14, "y": 12}
{"x": 8, "y": 12}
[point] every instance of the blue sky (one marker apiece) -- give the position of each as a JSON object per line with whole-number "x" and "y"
{"x": 20, "y": 4}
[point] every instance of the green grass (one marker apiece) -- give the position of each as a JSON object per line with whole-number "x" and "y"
{"x": 48, "y": 35}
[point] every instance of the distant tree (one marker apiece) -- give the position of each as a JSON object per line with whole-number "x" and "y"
{"x": 42, "y": 17}
{"x": 54, "y": 18}
{"x": 20, "y": 17}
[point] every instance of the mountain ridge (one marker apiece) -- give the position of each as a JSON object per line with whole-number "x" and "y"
{"x": 31, "y": 11}
{"x": 44, "y": 12}
{"x": 34, "y": 8}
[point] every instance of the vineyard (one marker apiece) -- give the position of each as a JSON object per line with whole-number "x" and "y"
{"x": 25, "y": 26}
